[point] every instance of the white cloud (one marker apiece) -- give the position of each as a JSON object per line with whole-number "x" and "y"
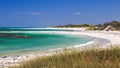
{"x": 76, "y": 14}
{"x": 36, "y": 13}
{"x": 29, "y": 13}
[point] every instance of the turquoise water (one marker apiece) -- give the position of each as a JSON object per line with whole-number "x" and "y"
{"x": 27, "y": 42}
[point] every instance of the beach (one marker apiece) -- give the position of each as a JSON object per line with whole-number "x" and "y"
{"x": 103, "y": 39}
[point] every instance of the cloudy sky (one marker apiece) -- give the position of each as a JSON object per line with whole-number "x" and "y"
{"x": 43, "y": 13}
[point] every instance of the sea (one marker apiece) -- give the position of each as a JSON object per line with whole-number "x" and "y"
{"x": 26, "y": 40}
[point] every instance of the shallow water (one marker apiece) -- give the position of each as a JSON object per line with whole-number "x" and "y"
{"x": 26, "y": 42}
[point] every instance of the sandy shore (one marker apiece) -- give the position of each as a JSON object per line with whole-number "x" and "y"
{"x": 102, "y": 38}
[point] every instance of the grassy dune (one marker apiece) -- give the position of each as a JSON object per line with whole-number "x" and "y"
{"x": 109, "y": 58}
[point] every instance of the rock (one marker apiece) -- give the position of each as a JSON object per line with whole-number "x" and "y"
{"x": 18, "y": 36}
{"x": 4, "y": 57}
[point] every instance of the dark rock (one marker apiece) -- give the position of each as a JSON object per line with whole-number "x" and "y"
{"x": 4, "y": 57}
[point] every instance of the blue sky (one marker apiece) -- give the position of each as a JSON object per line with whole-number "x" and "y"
{"x": 43, "y": 13}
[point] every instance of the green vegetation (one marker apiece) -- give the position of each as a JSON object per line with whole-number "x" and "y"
{"x": 115, "y": 25}
{"x": 108, "y": 58}
{"x": 71, "y": 25}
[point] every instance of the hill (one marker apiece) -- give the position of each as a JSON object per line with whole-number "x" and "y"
{"x": 113, "y": 25}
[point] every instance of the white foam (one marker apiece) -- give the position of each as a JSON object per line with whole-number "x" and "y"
{"x": 88, "y": 43}
{"x": 85, "y": 44}
{"x": 27, "y": 28}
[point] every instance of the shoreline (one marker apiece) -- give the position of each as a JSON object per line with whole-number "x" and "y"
{"x": 100, "y": 37}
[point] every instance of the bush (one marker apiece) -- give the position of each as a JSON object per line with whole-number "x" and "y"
{"x": 109, "y": 58}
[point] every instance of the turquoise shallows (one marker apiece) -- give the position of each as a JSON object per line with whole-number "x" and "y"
{"x": 11, "y": 43}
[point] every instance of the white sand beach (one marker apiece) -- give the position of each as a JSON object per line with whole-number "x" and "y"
{"x": 111, "y": 37}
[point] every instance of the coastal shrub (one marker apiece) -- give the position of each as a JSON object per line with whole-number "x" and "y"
{"x": 95, "y": 58}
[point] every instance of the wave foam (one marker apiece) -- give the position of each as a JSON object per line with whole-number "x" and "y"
{"x": 85, "y": 44}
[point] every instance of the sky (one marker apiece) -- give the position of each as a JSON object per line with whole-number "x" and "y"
{"x": 46, "y": 13}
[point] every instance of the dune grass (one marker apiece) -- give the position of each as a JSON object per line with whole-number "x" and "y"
{"x": 107, "y": 58}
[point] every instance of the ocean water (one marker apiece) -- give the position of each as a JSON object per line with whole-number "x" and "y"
{"x": 12, "y": 42}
